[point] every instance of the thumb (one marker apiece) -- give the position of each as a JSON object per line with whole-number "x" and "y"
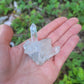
{"x": 6, "y": 34}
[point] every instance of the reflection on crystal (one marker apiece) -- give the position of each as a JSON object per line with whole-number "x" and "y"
{"x": 39, "y": 51}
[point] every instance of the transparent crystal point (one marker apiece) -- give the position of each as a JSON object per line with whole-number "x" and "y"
{"x": 33, "y": 31}
{"x": 39, "y": 51}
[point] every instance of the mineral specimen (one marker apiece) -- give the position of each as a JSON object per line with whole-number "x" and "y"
{"x": 39, "y": 51}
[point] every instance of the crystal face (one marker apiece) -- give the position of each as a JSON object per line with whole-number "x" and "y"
{"x": 39, "y": 51}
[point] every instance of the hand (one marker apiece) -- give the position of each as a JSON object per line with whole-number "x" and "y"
{"x": 18, "y": 68}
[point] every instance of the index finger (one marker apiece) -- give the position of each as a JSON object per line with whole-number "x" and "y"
{"x": 46, "y": 30}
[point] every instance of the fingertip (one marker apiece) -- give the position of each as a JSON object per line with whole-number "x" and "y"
{"x": 63, "y": 18}
{"x": 6, "y": 33}
{"x": 74, "y": 18}
{"x": 75, "y": 38}
{"x": 6, "y": 27}
{"x": 75, "y": 29}
{"x": 79, "y": 26}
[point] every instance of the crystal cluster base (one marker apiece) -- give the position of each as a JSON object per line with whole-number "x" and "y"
{"x": 40, "y": 51}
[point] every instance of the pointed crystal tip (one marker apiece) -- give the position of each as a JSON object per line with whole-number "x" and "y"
{"x": 33, "y": 27}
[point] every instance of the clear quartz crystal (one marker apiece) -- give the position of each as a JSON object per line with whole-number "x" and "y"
{"x": 33, "y": 30}
{"x": 39, "y": 51}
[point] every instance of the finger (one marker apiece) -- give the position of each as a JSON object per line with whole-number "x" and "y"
{"x": 43, "y": 33}
{"x": 6, "y": 34}
{"x": 65, "y": 51}
{"x": 72, "y": 31}
{"x": 62, "y": 29}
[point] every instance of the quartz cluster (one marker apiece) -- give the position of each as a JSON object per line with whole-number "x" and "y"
{"x": 39, "y": 51}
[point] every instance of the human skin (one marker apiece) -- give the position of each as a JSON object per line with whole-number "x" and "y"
{"x": 18, "y": 68}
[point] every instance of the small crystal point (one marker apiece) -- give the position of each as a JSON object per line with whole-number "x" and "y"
{"x": 33, "y": 31}
{"x": 33, "y": 27}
